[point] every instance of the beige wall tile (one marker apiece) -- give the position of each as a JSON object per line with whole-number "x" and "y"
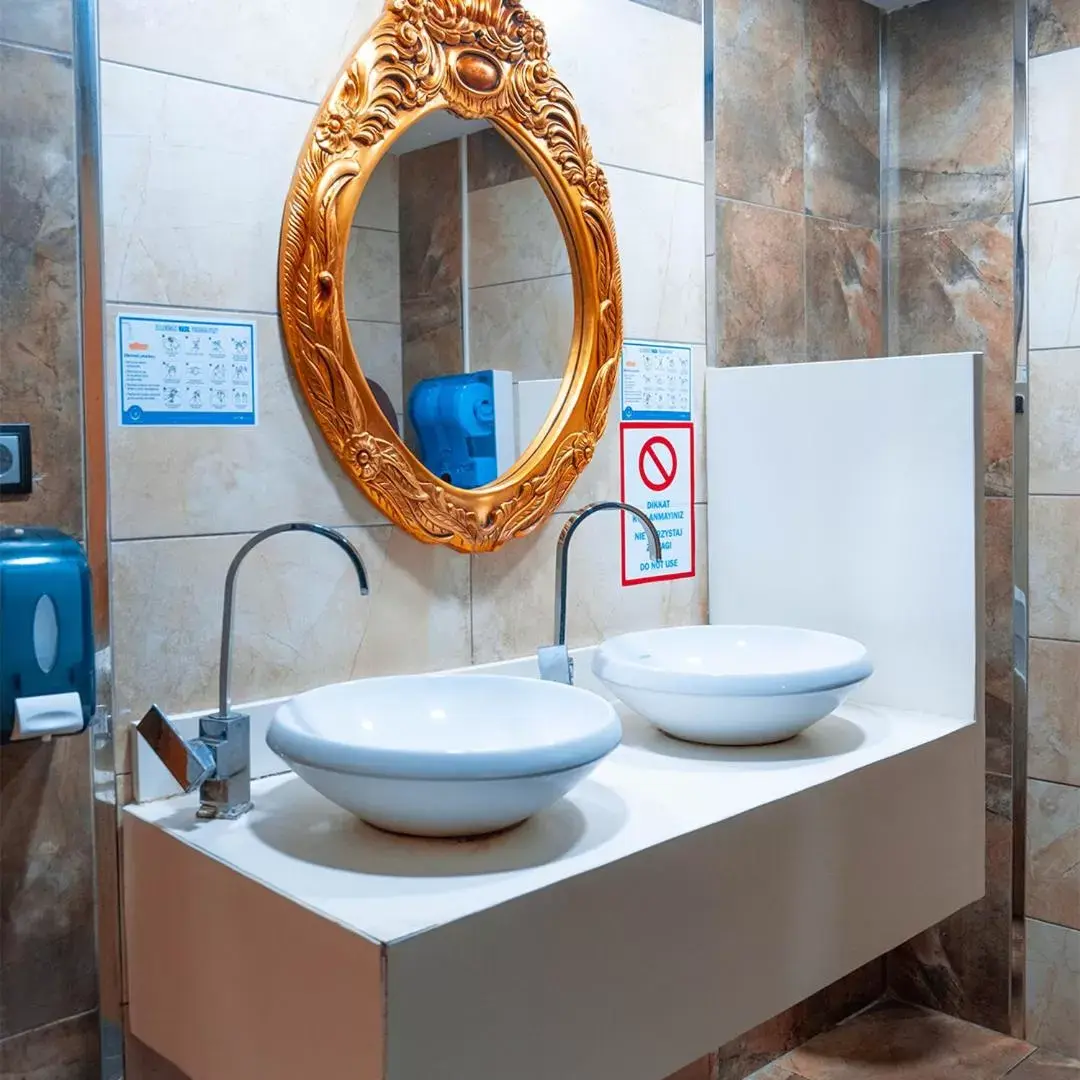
{"x": 1054, "y": 712}
{"x": 514, "y": 591}
{"x": 272, "y": 45}
{"x": 378, "y": 348}
{"x": 1055, "y": 274}
{"x": 1055, "y": 113}
{"x": 183, "y": 481}
{"x": 194, "y": 183}
{"x": 1053, "y": 870}
{"x": 1055, "y": 567}
{"x": 379, "y": 205}
{"x": 301, "y": 621}
{"x": 1055, "y": 422}
{"x": 373, "y": 276}
{"x": 1053, "y": 987}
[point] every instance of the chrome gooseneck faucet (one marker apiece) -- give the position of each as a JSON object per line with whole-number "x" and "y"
{"x": 555, "y": 661}
{"x": 218, "y": 762}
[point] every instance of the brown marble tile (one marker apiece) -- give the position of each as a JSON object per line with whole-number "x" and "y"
{"x": 1043, "y": 1065}
{"x": 1054, "y": 711}
{"x": 908, "y": 1043}
{"x": 843, "y": 291}
{"x": 776, "y": 1071}
{"x": 760, "y": 285}
{"x": 756, "y": 1049}
{"x": 430, "y": 227}
{"x": 842, "y": 138}
{"x": 961, "y": 966}
{"x": 67, "y": 1050}
{"x": 702, "y": 1069}
{"x": 45, "y": 23}
{"x": 39, "y": 354}
{"x": 1053, "y": 870}
{"x": 682, "y": 9}
{"x": 1054, "y": 25}
{"x": 47, "y": 960}
{"x": 760, "y": 75}
{"x": 998, "y": 536}
{"x": 954, "y": 293}
{"x": 953, "y": 65}
{"x": 492, "y": 160}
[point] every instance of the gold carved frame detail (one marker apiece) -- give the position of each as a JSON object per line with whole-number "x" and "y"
{"x": 479, "y": 59}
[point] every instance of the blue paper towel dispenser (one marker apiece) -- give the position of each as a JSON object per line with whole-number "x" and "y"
{"x": 46, "y": 635}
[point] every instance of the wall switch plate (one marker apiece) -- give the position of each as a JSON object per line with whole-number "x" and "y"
{"x": 16, "y": 477}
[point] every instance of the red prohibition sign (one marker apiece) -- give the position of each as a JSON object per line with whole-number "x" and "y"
{"x": 658, "y": 456}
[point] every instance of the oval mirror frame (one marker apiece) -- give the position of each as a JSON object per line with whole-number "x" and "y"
{"x": 481, "y": 59}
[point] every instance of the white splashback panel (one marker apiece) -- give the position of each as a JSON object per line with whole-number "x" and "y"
{"x": 847, "y": 496}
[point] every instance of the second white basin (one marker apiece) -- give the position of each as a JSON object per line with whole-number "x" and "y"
{"x": 732, "y": 685}
{"x": 444, "y": 755}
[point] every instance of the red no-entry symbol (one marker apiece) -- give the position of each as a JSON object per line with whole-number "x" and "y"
{"x": 658, "y": 464}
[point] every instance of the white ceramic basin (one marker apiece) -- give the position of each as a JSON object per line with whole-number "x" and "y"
{"x": 732, "y": 685}
{"x": 444, "y": 755}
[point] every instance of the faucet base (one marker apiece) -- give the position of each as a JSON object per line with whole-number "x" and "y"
{"x": 210, "y": 812}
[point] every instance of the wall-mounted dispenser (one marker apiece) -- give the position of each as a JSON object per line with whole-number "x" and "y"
{"x": 46, "y": 635}
{"x": 465, "y": 426}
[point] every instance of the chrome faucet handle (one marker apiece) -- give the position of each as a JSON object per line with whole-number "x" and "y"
{"x": 189, "y": 763}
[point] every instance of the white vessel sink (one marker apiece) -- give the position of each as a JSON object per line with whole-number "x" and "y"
{"x": 444, "y": 755}
{"x": 732, "y": 685}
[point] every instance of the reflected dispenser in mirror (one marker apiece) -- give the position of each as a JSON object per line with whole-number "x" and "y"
{"x": 46, "y": 635}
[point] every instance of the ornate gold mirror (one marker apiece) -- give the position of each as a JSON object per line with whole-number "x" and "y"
{"x": 449, "y": 278}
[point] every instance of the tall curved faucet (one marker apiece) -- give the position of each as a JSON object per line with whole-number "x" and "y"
{"x": 555, "y": 662}
{"x": 218, "y": 762}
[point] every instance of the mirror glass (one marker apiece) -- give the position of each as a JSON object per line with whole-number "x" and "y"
{"x": 460, "y": 297}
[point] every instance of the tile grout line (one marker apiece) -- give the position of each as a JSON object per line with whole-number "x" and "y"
{"x": 40, "y": 50}
{"x": 12, "y": 1036}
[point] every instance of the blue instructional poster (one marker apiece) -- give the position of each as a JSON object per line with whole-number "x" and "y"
{"x": 657, "y": 381}
{"x": 175, "y": 372}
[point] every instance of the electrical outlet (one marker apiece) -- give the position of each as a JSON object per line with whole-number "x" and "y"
{"x": 16, "y": 477}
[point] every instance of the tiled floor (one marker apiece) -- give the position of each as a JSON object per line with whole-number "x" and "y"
{"x": 901, "y": 1042}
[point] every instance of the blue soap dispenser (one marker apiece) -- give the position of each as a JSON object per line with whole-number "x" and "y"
{"x": 46, "y": 635}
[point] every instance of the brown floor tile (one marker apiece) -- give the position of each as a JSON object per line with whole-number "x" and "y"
{"x": 64, "y": 1051}
{"x": 1042, "y": 1065}
{"x": 904, "y": 1042}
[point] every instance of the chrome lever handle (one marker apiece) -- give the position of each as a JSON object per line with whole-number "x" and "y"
{"x": 190, "y": 764}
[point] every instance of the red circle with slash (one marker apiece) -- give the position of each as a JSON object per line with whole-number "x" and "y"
{"x": 658, "y": 464}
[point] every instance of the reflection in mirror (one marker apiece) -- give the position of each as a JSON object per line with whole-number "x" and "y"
{"x": 460, "y": 297}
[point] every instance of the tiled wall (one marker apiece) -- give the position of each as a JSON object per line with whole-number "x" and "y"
{"x": 48, "y": 977}
{"x": 949, "y": 229}
{"x": 1053, "y": 877}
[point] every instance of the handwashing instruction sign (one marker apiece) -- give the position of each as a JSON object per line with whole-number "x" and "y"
{"x": 173, "y": 371}
{"x": 657, "y": 381}
{"x": 657, "y": 467}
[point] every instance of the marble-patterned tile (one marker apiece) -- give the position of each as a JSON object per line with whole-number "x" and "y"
{"x": 67, "y": 1050}
{"x": 273, "y": 46}
{"x": 513, "y": 590}
{"x": 373, "y": 276}
{"x": 760, "y": 285}
{"x": 514, "y": 235}
{"x": 301, "y": 621}
{"x": 1055, "y": 422}
{"x": 751, "y": 1054}
{"x": 998, "y": 642}
{"x": 1053, "y": 987}
{"x": 492, "y": 160}
{"x": 1054, "y": 281}
{"x": 1053, "y": 25}
{"x": 1054, "y": 566}
{"x": 954, "y": 65}
{"x": 843, "y": 168}
{"x": 907, "y": 1043}
{"x": 378, "y": 349}
{"x": 681, "y": 9}
{"x": 843, "y": 291}
{"x": 1053, "y": 870}
{"x": 955, "y": 293}
{"x": 39, "y": 300}
{"x": 46, "y": 24}
{"x": 48, "y": 967}
{"x": 660, "y": 227}
{"x": 1053, "y": 716}
{"x": 760, "y": 71}
{"x": 525, "y": 327}
{"x": 1045, "y": 1065}
{"x": 1053, "y": 158}
{"x": 379, "y": 205}
{"x": 639, "y": 92}
{"x": 194, "y": 179}
{"x": 222, "y": 486}
{"x": 962, "y": 965}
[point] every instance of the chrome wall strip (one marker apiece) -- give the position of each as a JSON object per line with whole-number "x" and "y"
{"x": 887, "y": 186}
{"x": 1018, "y": 965}
{"x": 96, "y": 502}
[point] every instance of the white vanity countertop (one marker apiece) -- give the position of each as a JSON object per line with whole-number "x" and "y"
{"x": 652, "y": 789}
